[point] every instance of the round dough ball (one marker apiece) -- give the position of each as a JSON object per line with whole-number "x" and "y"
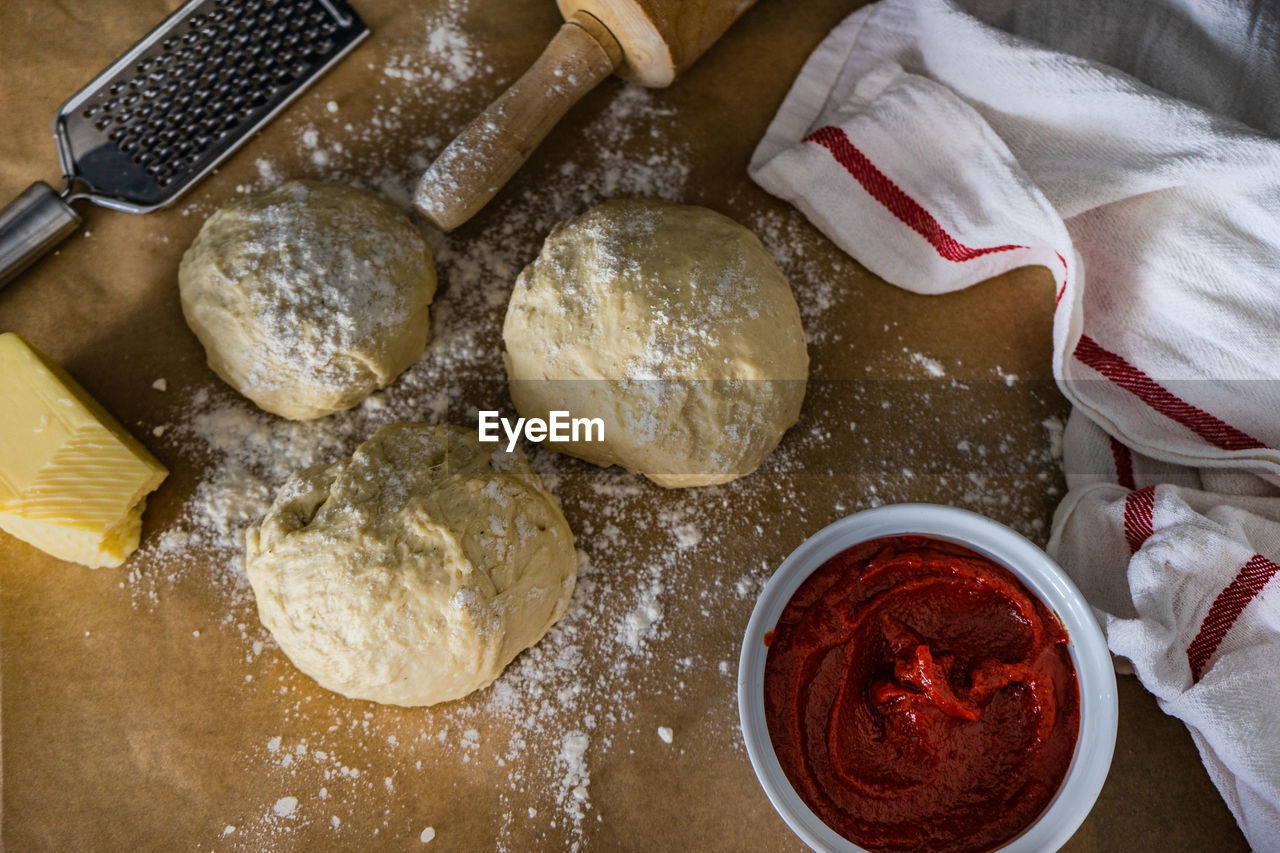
{"x": 309, "y": 296}
{"x": 415, "y": 571}
{"x": 673, "y": 325}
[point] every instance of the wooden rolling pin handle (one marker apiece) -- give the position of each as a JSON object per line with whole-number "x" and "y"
{"x": 485, "y": 155}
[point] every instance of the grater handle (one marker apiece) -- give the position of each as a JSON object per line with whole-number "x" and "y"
{"x": 31, "y": 225}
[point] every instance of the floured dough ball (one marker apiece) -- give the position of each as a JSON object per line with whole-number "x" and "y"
{"x": 673, "y": 325}
{"x": 309, "y": 296}
{"x": 415, "y": 571}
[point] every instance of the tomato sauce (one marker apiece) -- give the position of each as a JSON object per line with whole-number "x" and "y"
{"x": 919, "y": 697}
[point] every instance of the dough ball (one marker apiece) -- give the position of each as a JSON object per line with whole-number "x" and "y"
{"x": 415, "y": 571}
{"x": 309, "y": 296}
{"x": 673, "y": 325}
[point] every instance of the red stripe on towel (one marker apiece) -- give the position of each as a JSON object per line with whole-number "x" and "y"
{"x": 889, "y": 194}
{"x": 1139, "y": 515}
{"x": 1124, "y": 464}
{"x": 903, "y": 206}
{"x": 1217, "y": 432}
{"x": 1226, "y": 608}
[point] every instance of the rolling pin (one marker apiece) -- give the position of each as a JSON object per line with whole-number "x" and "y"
{"x": 648, "y": 42}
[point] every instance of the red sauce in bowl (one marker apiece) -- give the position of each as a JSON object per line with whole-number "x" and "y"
{"x": 919, "y": 697}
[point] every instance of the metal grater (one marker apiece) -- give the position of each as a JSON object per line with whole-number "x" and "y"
{"x": 150, "y": 126}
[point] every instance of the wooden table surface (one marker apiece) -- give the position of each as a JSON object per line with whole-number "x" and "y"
{"x": 144, "y": 708}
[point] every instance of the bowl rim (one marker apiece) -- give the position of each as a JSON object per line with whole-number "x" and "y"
{"x": 1095, "y": 675}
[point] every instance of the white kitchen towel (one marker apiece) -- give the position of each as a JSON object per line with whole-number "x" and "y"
{"x": 1126, "y": 150}
{"x": 1185, "y": 592}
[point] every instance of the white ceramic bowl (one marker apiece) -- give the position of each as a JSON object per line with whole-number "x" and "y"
{"x": 1096, "y": 677}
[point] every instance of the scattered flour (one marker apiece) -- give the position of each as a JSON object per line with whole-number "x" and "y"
{"x": 285, "y": 806}
{"x": 687, "y": 536}
{"x": 1009, "y": 378}
{"x": 931, "y": 366}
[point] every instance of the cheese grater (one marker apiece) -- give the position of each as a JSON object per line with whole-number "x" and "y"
{"x": 173, "y": 107}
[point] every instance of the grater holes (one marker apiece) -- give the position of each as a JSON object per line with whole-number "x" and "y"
{"x": 218, "y": 73}
{"x": 177, "y": 61}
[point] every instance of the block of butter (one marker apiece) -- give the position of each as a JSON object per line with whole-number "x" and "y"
{"x": 72, "y": 481}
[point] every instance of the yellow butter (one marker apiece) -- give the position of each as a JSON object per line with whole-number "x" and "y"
{"x": 73, "y": 482}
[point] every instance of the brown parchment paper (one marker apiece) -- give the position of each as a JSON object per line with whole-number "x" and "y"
{"x": 138, "y": 716}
